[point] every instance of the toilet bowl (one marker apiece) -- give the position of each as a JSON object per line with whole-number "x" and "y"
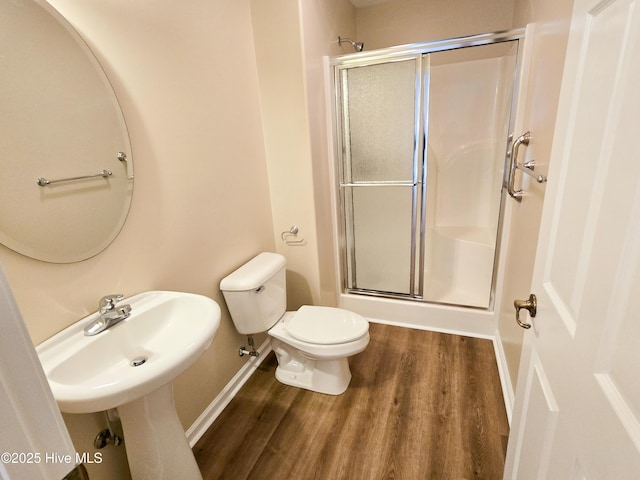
{"x": 313, "y": 357}
{"x": 312, "y": 344}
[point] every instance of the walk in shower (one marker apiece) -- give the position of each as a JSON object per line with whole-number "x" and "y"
{"x": 422, "y": 134}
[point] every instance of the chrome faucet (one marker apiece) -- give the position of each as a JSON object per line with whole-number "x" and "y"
{"x": 109, "y": 314}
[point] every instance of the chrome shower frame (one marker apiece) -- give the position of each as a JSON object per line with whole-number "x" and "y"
{"x": 419, "y": 182}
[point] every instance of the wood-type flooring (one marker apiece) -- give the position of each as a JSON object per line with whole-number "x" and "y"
{"x": 421, "y": 405}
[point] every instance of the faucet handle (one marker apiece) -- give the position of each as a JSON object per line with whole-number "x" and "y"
{"x": 108, "y": 302}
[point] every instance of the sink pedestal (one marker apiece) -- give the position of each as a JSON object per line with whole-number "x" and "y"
{"x": 157, "y": 447}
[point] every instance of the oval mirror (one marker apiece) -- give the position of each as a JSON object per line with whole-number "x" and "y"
{"x": 66, "y": 172}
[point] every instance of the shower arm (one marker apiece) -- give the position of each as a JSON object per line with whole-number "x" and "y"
{"x": 359, "y": 46}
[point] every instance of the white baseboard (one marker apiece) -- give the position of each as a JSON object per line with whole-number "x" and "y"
{"x": 215, "y": 408}
{"x": 505, "y": 378}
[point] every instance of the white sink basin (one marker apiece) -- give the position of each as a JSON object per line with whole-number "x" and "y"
{"x": 166, "y": 332}
{"x": 131, "y": 367}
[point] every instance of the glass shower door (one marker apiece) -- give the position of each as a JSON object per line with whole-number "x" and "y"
{"x": 423, "y": 135}
{"x": 469, "y": 112}
{"x": 380, "y": 108}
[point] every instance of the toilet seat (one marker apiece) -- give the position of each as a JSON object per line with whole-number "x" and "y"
{"x": 326, "y": 325}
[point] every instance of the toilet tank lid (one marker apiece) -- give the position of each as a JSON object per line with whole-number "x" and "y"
{"x": 254, "y": 273}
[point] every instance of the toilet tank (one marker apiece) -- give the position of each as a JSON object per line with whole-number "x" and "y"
{"x": 256, "y": 293}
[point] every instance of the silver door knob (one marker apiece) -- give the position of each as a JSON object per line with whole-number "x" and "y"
{"x": 531, "y": 305}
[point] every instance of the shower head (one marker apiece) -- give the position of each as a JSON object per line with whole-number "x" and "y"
{"x": 359, "y": 46}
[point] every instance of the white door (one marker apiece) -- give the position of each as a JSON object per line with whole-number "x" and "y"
{"x": 34, "y": 442}
{"x": 577, "y": 409}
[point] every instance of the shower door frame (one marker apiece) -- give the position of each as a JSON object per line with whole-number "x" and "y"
{"x": 415, "y": 51}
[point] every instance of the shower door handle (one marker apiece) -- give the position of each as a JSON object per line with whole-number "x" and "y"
{"x": 513, "y": 163}
{"x": 531, "y": 305}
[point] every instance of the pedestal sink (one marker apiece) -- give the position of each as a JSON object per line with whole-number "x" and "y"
{"x": 131, "y": 366}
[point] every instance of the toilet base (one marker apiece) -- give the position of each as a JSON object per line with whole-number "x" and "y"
{"x": 331, "y": 377}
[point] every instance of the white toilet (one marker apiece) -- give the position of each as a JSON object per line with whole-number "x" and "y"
{"x": 311, "y": 344}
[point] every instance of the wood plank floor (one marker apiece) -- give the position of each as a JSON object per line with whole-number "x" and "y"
{"x": 421, "y": 405}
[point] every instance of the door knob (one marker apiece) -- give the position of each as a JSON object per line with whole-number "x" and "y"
{"x": 531, "y": 305}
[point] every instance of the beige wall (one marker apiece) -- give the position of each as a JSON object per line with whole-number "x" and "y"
{"x": 410, "y": 21}
{"x": 186, "y": 77}
{"x": 322, "y": 22}
{"x": 537, "y": 112}
{"x": 291, "y": 38}
{"x": 279, "y": 58}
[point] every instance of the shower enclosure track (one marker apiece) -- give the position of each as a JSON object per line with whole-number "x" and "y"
{"x": 412, "y": 49}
